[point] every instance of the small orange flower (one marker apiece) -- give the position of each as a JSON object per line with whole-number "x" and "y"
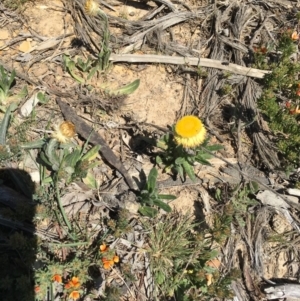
{"x": 74, "y": 295}
{"x": 104, "y": 248}
{"x": 107, "y": 264}
{"x": 213, "y": 263}
{"x": 57, "y": 278}
{"x": 37, "y": 289}
{"x": 295, "y": 36}
{"x": 262, "y": 49}
{"x": 73, "y": 283}
{"x": 295, "y": 111}
{"x": 116, "y": 259}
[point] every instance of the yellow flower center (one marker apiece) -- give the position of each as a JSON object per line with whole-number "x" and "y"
{"x": 188, "y": 126}
{"x": 67, "y": 129}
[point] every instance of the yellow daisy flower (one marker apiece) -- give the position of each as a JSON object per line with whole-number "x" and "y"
{"x": 64, "y": 132}
{"x": 189, "y": 131}
{"x": 91, "y": 7}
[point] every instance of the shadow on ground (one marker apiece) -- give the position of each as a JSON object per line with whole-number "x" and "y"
{"x": 18, "y": 243}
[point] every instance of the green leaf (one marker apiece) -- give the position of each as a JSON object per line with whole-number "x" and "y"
{"x": 213, "y": 254}
{"x": 218, "y": 195}
{"x": 201, "y": 160}
{"x": 5, "y": 122}
{"x": 42, "y": 98}
{"x": 55, "y": 166}
{"x": 179, "y": 160}
{"x": 11, "y": 78}
{"x": 72, "y": 158}
{"x": 179, "y": 169}
{"x": 144, "y": 197}
{"x": 167, "y": 197}
{"x": 69, "y": 169}
{"x": 70, "y": 66}
{"x": 47, "y": 180}
{"x": 162, "y": 205}
{"x": 90, "y": 181}
{"x": 50, "y": 151}
{"x": 92, "y": 72}
{"x": 158, "y": 160}
{"x": 161, "y": 144}
{"x": 34, "y": 144}
{"x": 204, "y": 156}
{"x": 189, "y": 170}
{"x": 23, "y": 93}
{"x": 254, "y": 187}
{"x": 84, "y": 66}
{"x": 151, "y": 181}
{"x": 128, "y": 89}
{"x": 45, "y": 159}
{"x": 6, "y": 80}
{"x": 214, "y": 148}
{"x": 148, "y": 211}
{"x": 160, "y": 277}
{"x": 92, "y": 153}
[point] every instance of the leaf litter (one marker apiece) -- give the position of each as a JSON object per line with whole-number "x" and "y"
{"x": 249, "y": 24}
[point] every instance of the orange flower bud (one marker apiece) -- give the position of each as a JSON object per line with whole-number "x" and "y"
{"x": 295, "y": 36}
{"x": 116, "y": 259}
{"x": 103, "y": 248}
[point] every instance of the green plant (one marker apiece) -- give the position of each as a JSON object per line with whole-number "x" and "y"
{"x": 226, "y": 89}
{"x": 6, "y": 82}
{"x": 201, "y": 73}
{"x": 91, "y": 67}
{"x": 67, "y": 161}
{"x": 179, "y": 255}
{"x": 121, "y": 225}
{"x": 112, "y": 294}
{"x": 243, "y": 198}
{"x": 14, "y": 4}
{"x": 179, "y": 160}
{"x": 235, "y": 210}
{"x": 150, "y": 198}
{"x": 7, "y": 148}
{"x": 281, "y": 83}
{"x": 102, "y": 62}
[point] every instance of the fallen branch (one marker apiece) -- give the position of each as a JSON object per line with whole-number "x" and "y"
{"x": 192, "y": 61}
{"x": 283, "y": 291}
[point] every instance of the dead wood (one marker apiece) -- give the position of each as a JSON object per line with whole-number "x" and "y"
{"x": 286, "y": 290}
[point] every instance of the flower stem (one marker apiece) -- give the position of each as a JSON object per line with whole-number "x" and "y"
{"x": 63, "y": 213}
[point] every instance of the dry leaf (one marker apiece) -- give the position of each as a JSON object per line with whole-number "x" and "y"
{"x": 25, "y": 46}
